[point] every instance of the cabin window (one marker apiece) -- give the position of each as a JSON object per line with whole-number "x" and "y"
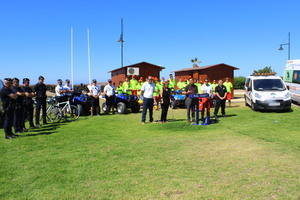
{"x": 296, "y": 77}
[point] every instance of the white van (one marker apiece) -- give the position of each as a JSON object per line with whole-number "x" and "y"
{"x": 267, "y": 92}
{"x": 292, "y": 78}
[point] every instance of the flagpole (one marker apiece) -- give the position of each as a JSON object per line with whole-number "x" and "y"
{"x": 89, "y": 54}
{"x": 72, "y": 59}
{"x": 122, "y": 41}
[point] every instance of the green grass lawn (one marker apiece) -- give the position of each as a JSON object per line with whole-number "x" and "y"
{"x": 249, "y": 155}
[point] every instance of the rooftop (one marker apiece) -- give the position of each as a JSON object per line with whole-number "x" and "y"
{"x": 205, "y": 67}
{"x": 140, "y": 64}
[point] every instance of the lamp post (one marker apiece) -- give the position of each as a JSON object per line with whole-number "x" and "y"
{"x": 287, "y": 44}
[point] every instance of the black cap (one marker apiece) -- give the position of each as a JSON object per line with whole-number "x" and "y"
{"x": 94, "y": 81}
{"x": 109, "y": 80}
{"x": 67, "y": 80}
{"x": 41, "y": 77}
{"x": 16, "y": 79}
{"x": 25, "y": 80}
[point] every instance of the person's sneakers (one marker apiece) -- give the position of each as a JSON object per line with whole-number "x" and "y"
{"x": 37, "y": 126}
{"x": 223, "y": 115}
{"x": 8, "y": 137}
{"x": 216, "y": 117}
{"x": 143, "y": 123}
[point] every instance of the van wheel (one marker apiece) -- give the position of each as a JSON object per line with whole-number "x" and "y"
{"x": 253, "y": 106}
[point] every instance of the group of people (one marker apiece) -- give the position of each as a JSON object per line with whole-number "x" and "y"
{"x": 18, "y": 105}
{"x": 220, "y": 92}
{"x": 18, "y": 101}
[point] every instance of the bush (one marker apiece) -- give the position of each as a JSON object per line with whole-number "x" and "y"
{"x": 239, "y": 82}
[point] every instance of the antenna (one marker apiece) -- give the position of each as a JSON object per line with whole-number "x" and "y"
{"x": 72, "y": 58}
{"x": 89, "y": 54}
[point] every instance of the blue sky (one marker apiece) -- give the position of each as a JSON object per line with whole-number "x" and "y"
{"x": 35, "y": 35}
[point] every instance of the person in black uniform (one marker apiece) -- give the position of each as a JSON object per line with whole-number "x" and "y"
{"x": 190, "y": 102}
{"x": 220, "y": 94}
{"x": 8, "y": 99}
{"x": 41, "y": 97}
{"x": 18, "y": 111}
{"x": 28, "y": 103}
{"x": 165, "y": 101}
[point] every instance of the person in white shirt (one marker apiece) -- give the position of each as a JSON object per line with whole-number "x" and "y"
{"x": 94, "y": 93}
{"x": 109, "y": 92}
{"x": 59, "y": 89}
{"x": 206, "y": 88}
{"x": 68, "y": 88}
{"x": 147, "y": 94}
{"x": 60, "y": 92}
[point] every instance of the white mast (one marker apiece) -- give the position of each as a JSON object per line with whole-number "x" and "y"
{"x": 72, "y": 59}
{"x": 89, "y": 54}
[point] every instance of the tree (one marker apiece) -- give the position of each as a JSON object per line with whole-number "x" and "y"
{"x": 195, "y": 61}
{"x": 239, "y": 82}
{"x": 267, "y": 69}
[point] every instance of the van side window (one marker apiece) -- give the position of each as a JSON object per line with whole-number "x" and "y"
{"x": 247, "y": 82}
{"x": 250, "y": 84}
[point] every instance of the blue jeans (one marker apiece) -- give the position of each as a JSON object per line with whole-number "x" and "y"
{"x": 147, "y": 104}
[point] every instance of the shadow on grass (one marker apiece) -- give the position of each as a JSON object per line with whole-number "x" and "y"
{"x": 44, "y": 130}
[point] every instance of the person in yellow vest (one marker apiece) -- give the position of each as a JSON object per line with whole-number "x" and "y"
{"x": 199, "y": 85}
{"x": 125, "y": 86}
{"x": 181, "y": 84}
{"x": 214, "y": 85}
{"x": 120, "y": 88}
{"x": 156, "y": 93}
{"x": 172, "y": 82}
{"x": 229, "y": 88}
{"x": 133, "y": 85}
{"x": 139, "y": 86}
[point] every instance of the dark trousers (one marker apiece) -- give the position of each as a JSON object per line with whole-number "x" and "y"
{"x": 147, "y": 104}
{"x": 40, "y": 104}
{"x": 18, "y": 118}
{"x": 110, "y": 101}
{"x": 8, "y": 122}
{"x": 191, "y": 104}
{"x": 164, "y": 111}
{"x": 219, "y": 103}
{"x": 28, "y": 115}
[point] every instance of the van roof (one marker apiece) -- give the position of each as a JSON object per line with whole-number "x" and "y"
{"x": 264, "y": 77}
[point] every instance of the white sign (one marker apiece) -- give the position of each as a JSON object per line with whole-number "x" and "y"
{"x": 292, "y": 65}
{"x": 133, "y": 71}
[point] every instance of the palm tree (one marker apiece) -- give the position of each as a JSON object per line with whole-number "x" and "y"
{"x": 195, "y": 61}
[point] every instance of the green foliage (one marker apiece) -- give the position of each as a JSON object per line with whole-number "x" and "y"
{"x": 239, "y": 82}
{"x": 249, "y": 155}
{"x": 267, "y": 69}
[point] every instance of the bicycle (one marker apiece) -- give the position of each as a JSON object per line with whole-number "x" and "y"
{"x": 59, "y": 110}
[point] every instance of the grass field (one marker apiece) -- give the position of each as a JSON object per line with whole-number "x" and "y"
{"x": 248, "y": 155}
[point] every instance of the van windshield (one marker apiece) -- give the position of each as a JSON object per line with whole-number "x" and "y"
{"x": 268, "y": 84}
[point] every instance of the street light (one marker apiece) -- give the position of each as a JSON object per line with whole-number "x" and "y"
{"x": 287, "y": 44}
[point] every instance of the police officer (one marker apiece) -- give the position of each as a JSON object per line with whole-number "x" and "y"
{"x": 28, "y": 102}
{"x": 190, "y": 90}
{"x": 41, "y": 97}
{"x": 18, "y": 112}
{"x": 8, "y": 99}
{"x": 220, "y": 94}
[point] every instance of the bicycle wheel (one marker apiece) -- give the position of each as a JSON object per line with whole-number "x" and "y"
{"x": 54, "y": 114}
{"x": 72, "y": 113}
